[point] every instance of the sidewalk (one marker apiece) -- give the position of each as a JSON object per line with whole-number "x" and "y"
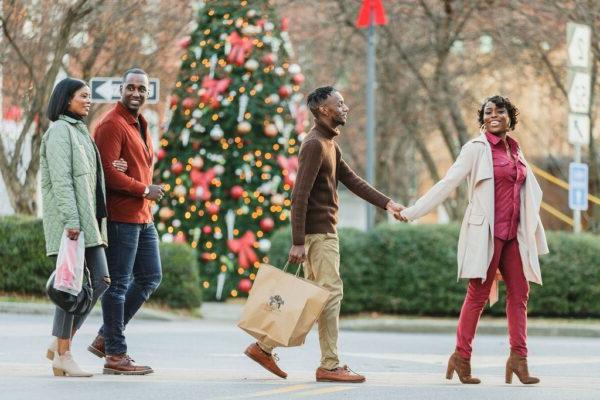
{"x": 231, "y": 312}
{"x": 47, "y": 308}
{"x": 410, "y": 324}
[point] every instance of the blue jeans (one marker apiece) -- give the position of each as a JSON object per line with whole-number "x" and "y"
{"x": 135, "y": 272}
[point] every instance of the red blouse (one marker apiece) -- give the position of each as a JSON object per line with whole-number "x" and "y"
{"x": 509, "y": 176}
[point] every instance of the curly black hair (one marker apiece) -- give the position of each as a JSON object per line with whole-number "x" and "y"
{"x": 318, "y": 97}
{"x": 501, "y": 102}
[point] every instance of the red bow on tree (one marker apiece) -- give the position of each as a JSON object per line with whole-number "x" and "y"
{"x": 201, "y": 181}
{"x": 244, "y": 248}
{"x": 241, "y": 47}
{"x": 289, "y": 168}
{"x": 211, "y": 89}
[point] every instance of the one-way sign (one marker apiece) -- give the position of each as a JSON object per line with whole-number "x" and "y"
{"x": 106, "y": 90}
{"x": 578, "y": 186}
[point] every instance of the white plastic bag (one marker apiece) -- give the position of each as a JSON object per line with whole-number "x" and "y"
{"x": 69, "y": 264}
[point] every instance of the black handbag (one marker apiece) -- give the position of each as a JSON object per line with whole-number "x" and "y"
{"x": 76, "y": 305}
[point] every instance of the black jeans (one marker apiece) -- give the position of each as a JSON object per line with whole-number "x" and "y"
{"x": 135, "y": 272}
{"x": 65, "y": 323}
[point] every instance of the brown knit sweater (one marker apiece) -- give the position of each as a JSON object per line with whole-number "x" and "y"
{"x": 315, "y": 198}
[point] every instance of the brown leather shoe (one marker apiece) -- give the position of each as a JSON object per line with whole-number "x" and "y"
{"x": 266, "y": 360}
{"x": 462, "y": 366}
{"x": 518, "y": 365}
{"x": 97, "y": 347}
{"x": 339, "y": 374}
{"x": 122, "y": 364}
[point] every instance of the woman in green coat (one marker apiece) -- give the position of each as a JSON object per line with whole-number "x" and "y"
{"x": 73, "y": 200}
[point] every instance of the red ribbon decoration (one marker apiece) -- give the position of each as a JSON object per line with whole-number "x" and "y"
{"x": 211, "y": 89}
{"x": 244, "y": 248}
{"x": 202, "y": 180}
{"x": 289, "y": 167}
{"x": 241, "y": 47}
{"x": 364, "y": 16}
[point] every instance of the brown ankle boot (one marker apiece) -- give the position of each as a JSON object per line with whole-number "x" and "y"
{"x": 462, "y": 366}
{"x": 518, "y": 365}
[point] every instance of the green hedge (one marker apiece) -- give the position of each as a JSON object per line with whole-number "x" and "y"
{"x": 24, "y": 267}
{"x": 411, "y": 269}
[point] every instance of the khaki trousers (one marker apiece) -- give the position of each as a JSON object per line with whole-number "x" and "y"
{"x": 323, "y": 267}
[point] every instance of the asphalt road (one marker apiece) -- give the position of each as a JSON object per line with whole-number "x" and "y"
{"x": 203, "y": 359}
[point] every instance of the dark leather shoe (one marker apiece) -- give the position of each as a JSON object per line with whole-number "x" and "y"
{"x": 339, "y": 374}
{"x": 122, "y": 364}
{"x": 266, "y": 360}
{"x": 97, "y": 347}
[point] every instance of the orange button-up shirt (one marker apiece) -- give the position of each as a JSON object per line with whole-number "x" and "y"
{"x": 118, "y": 136}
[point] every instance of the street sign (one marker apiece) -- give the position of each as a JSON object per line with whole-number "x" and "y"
{"x": 106, "y": 90}
{"x": 578, "y": 186}
{"x": 579, "y": 92}
{"x": 578, "y": 41}
{"x": 579, "y": 129}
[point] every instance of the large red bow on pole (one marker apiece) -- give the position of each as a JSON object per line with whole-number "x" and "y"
{"x": 201, "y": 181}
{"x": 244, "y": 248}
{"x": 369, "y": 7}
{"x": 241, "y": 47}
{"x": 289, "y": 167}
{"x": 211, "y": 89}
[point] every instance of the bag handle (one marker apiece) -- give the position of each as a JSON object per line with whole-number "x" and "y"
{"x": 287, "y": 263}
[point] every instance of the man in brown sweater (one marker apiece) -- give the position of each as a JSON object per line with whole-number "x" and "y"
{"x": 314, "y": 219}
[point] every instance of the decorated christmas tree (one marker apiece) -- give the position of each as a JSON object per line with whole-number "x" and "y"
{"x": 229, "y": 156}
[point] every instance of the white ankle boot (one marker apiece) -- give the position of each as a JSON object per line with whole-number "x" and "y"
{"x": 52, "y": 349}
{"x": 64, "y": 365}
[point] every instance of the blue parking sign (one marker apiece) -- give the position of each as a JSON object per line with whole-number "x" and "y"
{"x": 578, "y": 186}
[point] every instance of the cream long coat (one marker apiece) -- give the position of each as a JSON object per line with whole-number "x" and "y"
{"x": 476, "y": 241}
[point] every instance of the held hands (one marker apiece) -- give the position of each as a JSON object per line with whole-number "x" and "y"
{"x": 155, "y": 192}
{"x": 297, "y": 254}
{"x": 120, "y": 165}
{"x": 396, "y": 209}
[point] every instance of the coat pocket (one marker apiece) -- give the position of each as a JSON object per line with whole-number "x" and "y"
{"x": 476, "y": 219}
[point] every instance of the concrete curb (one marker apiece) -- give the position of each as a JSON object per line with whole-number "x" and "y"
{"x": 490, "y": 326}
{"x": 147, "y": 313}
{"x": 231, "y": 312}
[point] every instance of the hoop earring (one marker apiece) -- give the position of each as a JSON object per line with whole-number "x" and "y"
{"x": 482, "y": 129}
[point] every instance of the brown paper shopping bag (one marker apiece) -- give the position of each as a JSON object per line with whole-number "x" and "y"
{"x": 282, "y": 308}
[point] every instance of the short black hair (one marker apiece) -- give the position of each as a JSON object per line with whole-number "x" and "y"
{"x": 61, "y": 95}
{"x": 133, "y": 71}
{"x": 502, "y": 102}
{"x": 317, "y": 97}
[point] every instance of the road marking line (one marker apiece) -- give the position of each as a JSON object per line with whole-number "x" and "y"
{"x": 285, "y": 389}
{"x": 331, "y": 389}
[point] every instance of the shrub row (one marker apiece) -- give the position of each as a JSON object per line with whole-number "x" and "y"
{"x": 411, "y": 269}
{"x": 24, "y": 266}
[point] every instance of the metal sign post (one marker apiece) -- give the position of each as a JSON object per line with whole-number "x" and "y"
{"x": 578, "y": 48}
{"x": 371, "y": 13}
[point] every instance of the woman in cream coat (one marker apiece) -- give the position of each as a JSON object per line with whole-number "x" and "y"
{"x": 501, "y": 231}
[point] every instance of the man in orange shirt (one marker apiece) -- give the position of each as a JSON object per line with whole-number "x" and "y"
{"x": 133, "y": 255}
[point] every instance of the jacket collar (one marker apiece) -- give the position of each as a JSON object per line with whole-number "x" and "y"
{"x": 129, "y": 117}
{"x": 325, "y": 130}
{"x": 70, "y": 120}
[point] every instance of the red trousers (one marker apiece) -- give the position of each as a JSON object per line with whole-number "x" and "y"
{"x": 508, "y": 260}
